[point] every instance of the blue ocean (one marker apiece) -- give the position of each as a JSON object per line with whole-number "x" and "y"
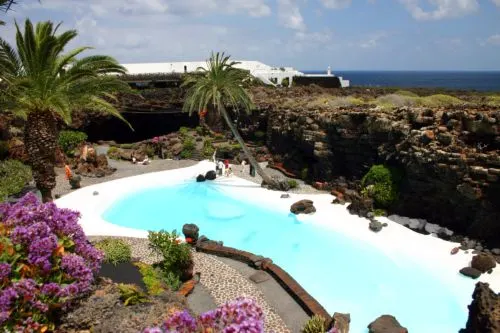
{"x": 460, "y": 80}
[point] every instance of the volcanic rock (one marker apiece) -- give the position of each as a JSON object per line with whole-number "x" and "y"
{"x": 470, "y": 272}
{"x": 200, "y": 178}
{"x": 483, "y": 262}
{"x": 386, "y": 324}
{"x": 210, "y": 175}
{"x": 484, "y": 311}
{"x": 303, "y": 207}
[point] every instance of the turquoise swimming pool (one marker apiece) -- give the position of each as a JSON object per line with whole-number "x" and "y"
{"x": 343, "y": 274}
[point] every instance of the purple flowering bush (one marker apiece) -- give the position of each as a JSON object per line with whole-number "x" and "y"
{"x": 242, "y": 315}
{"x": 45, "y": 263}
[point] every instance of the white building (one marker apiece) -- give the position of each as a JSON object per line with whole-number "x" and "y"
{"x": 268, "y": 75}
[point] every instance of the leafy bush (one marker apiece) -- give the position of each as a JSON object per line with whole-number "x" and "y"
{"x": 149, "y": 150}
{"x": 176, "y": 256}
{"x": 115, "y": 250}
{"x": 184, "y": 131}
{"x": 382, "y": 184}
{"x": 186, "y": 154}
{"x": 199, "y": 130}
{"x": 379, "y": 212}
{"x": 208, "y": 149}
{"x": 304, "y": 173}
{"x": 395, "y": 100}
{"x": 493, "y": 100}
{"x": 4, "y": 149}
{"x": 152, "y": 278}
{"x": 172, "y": 280}
{"x": 69, "y": 140}
{"x": 315, "y": 324}
{"x": 131, "y": 294}
{"x": 127, "y": 146}
{"x": 113, "y": 153}
{"x": 406, "y": 93}
{"x": 292, "y": 183}
{"x": 14, "y": 175}
{"x": 440, "y": 100}
{"x": 259, "y": 134}
{"x": 46, "y": 263}
{"x": 240, "y": 315}
{"x": 188, "y": 144}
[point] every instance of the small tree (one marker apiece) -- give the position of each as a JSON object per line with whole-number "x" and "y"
{"x": 219, "y": 85}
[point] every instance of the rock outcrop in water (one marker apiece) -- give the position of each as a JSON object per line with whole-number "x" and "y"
{"x": 303, "y": 207}
{"x": 484, "y": 311}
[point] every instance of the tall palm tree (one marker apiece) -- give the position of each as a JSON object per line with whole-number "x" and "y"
{"x": 221, "y": 84}
{"x": 45, "y": 85}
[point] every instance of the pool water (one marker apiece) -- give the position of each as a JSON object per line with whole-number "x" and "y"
{"x": 343, "y": 274}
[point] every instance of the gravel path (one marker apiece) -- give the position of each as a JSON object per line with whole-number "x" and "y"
{"x": 220, "y": 283}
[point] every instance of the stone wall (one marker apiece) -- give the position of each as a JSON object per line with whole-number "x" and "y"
{"x": 449, "y": 157}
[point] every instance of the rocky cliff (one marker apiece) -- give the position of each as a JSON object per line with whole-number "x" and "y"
{"x": 484, "y": 311}
{"x": 449, "y": 157}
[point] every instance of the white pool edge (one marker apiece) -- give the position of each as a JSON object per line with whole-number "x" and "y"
{"x": 429, "y": 251}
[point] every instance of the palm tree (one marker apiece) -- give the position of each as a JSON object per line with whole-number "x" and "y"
{"x": 221, "y": 84}
{"x": 45, "y": 85}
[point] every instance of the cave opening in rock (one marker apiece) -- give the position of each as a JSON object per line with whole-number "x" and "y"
{"x": 146, "y": 126}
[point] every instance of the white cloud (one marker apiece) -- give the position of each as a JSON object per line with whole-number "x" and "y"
{"x": 336, "y": 4}
{"x": 496, "y": 2}
{"x": 289, "y": 15}
{"x": 492, "y": 40}
{"x": 372, "y": 40}
{"x": 441, "y": 8}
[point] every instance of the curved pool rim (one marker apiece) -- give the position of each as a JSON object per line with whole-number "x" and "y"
{"x": 433, "y": 252}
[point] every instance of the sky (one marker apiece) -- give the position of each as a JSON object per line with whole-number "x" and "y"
{"x": 305, "y": 34}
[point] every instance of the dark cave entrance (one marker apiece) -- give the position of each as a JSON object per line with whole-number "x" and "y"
{"x": 146, "y": 126}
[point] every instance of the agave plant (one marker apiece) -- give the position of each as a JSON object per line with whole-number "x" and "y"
{"x": 45, "y": 85}
{"x": 222, "y": 84}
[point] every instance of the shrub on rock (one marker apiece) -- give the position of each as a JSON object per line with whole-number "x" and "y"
{"x": 46, "y": 262}
{"x": 382, "y": 184}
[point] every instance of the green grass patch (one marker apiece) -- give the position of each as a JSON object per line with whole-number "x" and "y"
{"x": 292, "y": 183}
{"x": 152, "y": 278}
{"x": 406, "y": 93}
{"x": 115, "y": 250}
{"x": 493, "y": 100}
{"x": 439, "y": 100}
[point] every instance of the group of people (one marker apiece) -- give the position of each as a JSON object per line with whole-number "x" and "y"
{"x": 223, "y": 167}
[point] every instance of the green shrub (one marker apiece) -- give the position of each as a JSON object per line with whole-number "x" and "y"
{"x": 176, "y": 256}
{"x": 184, "y": 131}
{"x": 315, "y": 324}
{"x": 259, "y": 134}
{"x": 186, "y": 154}
{"x": 14, "y": 175}
{"x": 115, "y": 250}
{"x": 208, "y": 149}
{"x": 131, "y": 294}
{"x": 379, "y": 212}
{"x": 152, "y": 278}
{"x": 4, "y": 149}
{"x": 493, "y": 100}
{"x": 292, "y": 183}
{"x": 439, "y": 100}
{"x": 406, "y": 93}
{"x": 304, "y": 173}
{"x": 127, "y": 145}
{"x": 69, "y": 140}
{"x": 188, "y": 144}
{"x": 382, "y": 184}
{"x": 149, "y": 150}
{"x": 173, "y": 281}
{"x": 199, "y": 130}
{"x": 113, "y": 153}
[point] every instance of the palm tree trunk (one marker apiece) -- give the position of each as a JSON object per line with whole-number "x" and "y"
{"x": 267, "y": 180}
{"x": 40, "y": 139}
